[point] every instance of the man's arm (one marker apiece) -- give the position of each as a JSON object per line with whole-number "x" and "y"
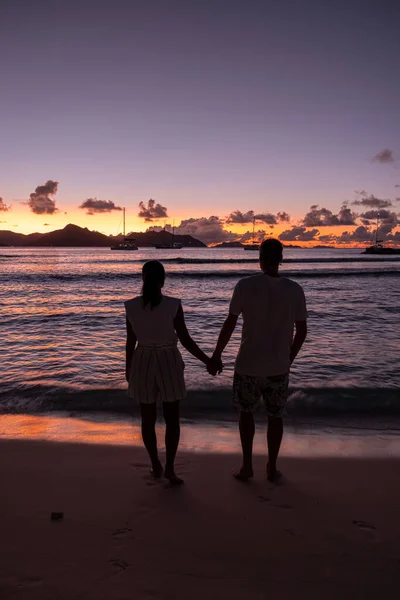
{"x": 235, "y": 309}
{"x": 186, "y": 339}
{"x": 225, "y": 335}
{"x": 299, "y": 338}
{"x": 129, "y": 348}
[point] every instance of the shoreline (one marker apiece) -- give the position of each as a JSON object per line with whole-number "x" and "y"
{"x": 330, "y": 531}
{"x": 303, "y": 438}
{"x": 304, "y": 402}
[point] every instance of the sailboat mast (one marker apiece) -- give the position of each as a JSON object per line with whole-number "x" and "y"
{"x": 254, "y": 224}
{"x": 377, "y": 229}
{"x": 173, "y": 232}
{"x": 124, "y": 220}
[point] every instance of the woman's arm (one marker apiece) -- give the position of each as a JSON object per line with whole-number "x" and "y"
{"x": 129, "y": 348}
{"x": 186, "y": 340}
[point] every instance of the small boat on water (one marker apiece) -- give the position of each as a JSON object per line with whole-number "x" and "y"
{"x": 169, "y": 246}
{"x": 129, "y": 244}
{"x": 173, "y": 245}
{"x": 378, "y": 248}
{"x": 253, "y": 245}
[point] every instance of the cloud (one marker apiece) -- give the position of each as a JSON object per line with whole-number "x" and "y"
{"x": 41, "y": 201}
{"x": 397, "y": 185}
{"x": 152, "y": 211}
{"x": 267, "y": 218}
{"x": 259, "y": 236}
{"x": 346, "y": 216}
{"x": 94, "y": 205}
{"x": 210, "y": 230}
{"x": 239, "y": 217}
{"x": 298, "y": 234}
{"x": 375, "y": 214}
{"x": 283, "y": 217}
{"x": 327, "y": 239}
{"x": 365, "y": 233}
{"x": 388, "y": 220}
{"x": 384, "y": 157}
{"x": 3, "y": 221}
{"x": 3, "y": 206}
{"x": 361, "y": 235}
{"x": 46, "y": 224}
{"x": 207, "y": 229}
{"x": 371, "y": 201}
{"x": 248, "y": 217}
{"x": 323, "y": 217}
{"x": 393, "y": 237}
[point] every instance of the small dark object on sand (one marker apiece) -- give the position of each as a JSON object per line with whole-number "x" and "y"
{"x": 57, "y": 516}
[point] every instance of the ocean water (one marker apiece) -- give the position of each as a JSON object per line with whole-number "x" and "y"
{"x": 63, "y": 326}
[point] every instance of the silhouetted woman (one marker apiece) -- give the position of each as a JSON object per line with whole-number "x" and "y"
{"x": 154, "y": 365}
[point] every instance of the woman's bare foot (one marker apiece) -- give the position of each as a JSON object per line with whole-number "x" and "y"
{"x": 244, "y": 474}
{"x": 173, "y": 477}
{"x": 273, "y": 475}
{"x": 157, "y": 470}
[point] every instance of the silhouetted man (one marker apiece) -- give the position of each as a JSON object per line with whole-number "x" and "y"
{"x": 272, "y": 307}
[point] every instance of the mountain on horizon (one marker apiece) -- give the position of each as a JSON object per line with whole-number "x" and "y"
{"x": 73, "y": 236}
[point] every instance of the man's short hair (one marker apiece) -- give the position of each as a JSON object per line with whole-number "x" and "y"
{"x": 271, "y": 251}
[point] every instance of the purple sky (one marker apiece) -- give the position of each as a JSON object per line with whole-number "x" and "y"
{"x": 205, "y": 106}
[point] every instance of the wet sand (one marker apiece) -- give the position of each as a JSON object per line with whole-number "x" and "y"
{"x": 330, "y": 531}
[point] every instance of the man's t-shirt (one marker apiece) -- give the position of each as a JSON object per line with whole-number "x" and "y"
{"x": 270, "y": 306}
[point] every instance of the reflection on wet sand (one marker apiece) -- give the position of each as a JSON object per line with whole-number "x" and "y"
{"x": 200, "y": 436}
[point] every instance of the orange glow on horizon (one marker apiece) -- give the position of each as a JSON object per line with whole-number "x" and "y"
{"x": 21, "y": 220}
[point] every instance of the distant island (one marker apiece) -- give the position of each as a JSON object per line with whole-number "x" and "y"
{"x": 240, "y": 245}
{"x": 73, "y": 236}
{"x": 322, "y": 247}
{"x": 229, "y": 245}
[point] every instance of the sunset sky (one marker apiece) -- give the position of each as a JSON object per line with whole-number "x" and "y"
{"x": 206, "y": 107}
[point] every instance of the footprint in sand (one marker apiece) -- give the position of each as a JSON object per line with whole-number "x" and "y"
{"x": 290, "y": 531}
{"x": 139, "y": 466}
{"x": 121, "y": 533}
{"x": 283, "y": 506}
{"x": 264, "y": 499}
{"x": 363, "y": 525}
{"x": 120, "y": 565}
{"x": 27, "y": 581}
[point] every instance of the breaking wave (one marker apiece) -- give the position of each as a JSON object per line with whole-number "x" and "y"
{"x": 305, "y": 401}
{"x": 104, "y": 276}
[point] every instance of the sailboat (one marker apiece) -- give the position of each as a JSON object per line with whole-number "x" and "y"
{"x": 254, "y": 245}
{"x": 173, "y": 245}
{"x": 378, "y": 247}
{"x": 128, "y": 243}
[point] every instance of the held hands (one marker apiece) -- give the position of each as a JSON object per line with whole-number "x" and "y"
{"x": 214, "y": 366}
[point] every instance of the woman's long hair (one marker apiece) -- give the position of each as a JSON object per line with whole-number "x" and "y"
{"x": 153, "y": 275}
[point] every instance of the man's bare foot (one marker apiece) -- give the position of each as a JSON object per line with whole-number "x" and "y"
{"x": 243, "y": 474}
{"x": 157, "y": 471}
{"x": 173, "y": 477}
{"x": 273, "y": 475}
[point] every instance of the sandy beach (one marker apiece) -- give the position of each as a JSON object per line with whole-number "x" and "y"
{"x": 331, "y": 530}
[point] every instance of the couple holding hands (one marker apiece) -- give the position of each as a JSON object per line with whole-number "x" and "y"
{"x": 274, "y": 329}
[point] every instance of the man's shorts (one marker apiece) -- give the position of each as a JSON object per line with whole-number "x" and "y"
{"x": 248, "y": 391}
